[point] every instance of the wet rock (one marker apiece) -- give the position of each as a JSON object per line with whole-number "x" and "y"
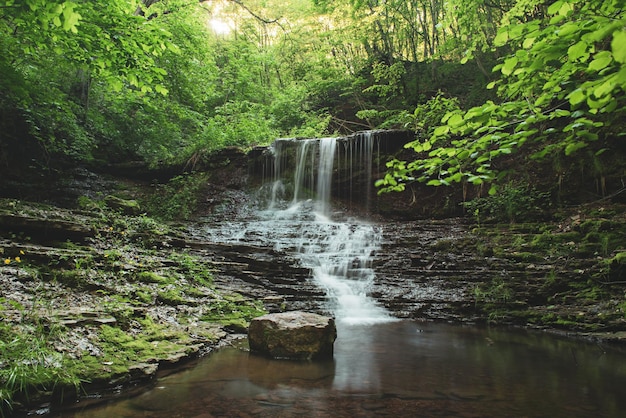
{"x": 143, "y": 371}
{"x": 293, "y": 335}
{"x": 126, "y": 206}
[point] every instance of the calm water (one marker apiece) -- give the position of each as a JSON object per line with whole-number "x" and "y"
{"x": 400, "y": 369}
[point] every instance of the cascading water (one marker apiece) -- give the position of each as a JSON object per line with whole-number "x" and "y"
{"x": 299, "y": 219}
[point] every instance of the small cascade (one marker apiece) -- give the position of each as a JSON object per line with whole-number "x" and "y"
{"x": 355, "y": 165}
{"x": 299, "y": 179}
{"x": 339, "y": 253}
{"x": 327, "y": 147}
{"x": 323, "y": 169}
{"x": 299, "y": 219}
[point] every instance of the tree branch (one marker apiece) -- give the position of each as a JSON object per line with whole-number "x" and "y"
{"x": 256, "y": 16}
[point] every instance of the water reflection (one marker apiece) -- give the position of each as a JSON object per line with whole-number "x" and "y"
{"x": 398, "y": 369}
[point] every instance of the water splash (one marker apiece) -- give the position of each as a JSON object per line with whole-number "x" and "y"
{"x": 340, "y": 255}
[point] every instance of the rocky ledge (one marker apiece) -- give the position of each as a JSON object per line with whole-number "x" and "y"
{"x": 106, "y": 299}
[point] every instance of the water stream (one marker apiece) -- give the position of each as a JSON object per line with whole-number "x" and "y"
{"x": 382, "y": 366}
{"x": 337, "y": 249}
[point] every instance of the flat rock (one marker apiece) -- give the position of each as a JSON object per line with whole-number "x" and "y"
{"x": 293, "y": 335}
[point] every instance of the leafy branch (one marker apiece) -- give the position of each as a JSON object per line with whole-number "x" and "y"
{"x": 562, "y": 88}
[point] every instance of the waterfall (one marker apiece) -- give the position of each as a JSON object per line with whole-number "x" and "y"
{"x": 339, "y": 253}
{"x": 297, "y": 216}
{"x": 327, "y": 148}
{"x": 301, "y": 166}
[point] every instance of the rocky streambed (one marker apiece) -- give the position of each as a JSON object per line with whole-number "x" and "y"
{"x": 104, "y": 298}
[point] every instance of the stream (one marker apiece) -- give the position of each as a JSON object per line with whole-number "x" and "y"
{"x": 382, "y": 366}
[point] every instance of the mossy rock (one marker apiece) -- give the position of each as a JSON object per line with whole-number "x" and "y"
{"x": 293, "y": 336}
{"x": 617, "y": 266}
{"x": 152, "y": 277}
{"x": 126, "y": 206}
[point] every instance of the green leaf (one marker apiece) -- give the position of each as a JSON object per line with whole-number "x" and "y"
{"x": 70, "y": 17}
{"x": 618, "y": 46}
{"x": 578, "y": 51}
{"x": 474, "y": 179}
{"x": 434, "y": 183}
{"x": 568, "y": 29}
{"x": 501, "y": 38}
{"x": 573, "y": 147}
{"x": 161, "y": 89}
{"x": 576, "y": 97}
{"x": 565, "y": 8}
{"x": 620, "y": 77}
{"x": 559, "y": 113}
{"x": 605, "y": 88}
{"x": 555, "y": 7}
{"x": 601, "y": 60}
{"x": 528, "y": 42}
{"x": 441, "y": 130}
{"x": 509, "y": 65}
{"x": 455, "y": 120}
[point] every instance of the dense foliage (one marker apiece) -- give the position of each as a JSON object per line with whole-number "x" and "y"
{"x": 168, "y": 81}
{"x": 561, "y": 89}
{"x": 130, "y": 80}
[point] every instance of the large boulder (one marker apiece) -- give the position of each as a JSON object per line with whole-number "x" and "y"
{"x": 293, "y": 335}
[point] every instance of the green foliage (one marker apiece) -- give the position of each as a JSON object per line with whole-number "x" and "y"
{"x": 178, "y": 198}
{"x": 497, "y": 291}
{"x": 428, "y": 115}
{"x": 387, "y": 79}
{"x": 142, "y": 82}
{"x": 511, "y": 204}
{"x": 29, "y": 365}
{"x": 562, "y": 89}
{"x": 423, "y": 121}
{"x": 193, "y": 268}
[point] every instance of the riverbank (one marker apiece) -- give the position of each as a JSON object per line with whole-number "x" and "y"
{"x": 95, "y": 300}
{"x": 100, "y": 298}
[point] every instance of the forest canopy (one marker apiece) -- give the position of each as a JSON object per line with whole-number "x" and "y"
{"x": 169, "y": 81}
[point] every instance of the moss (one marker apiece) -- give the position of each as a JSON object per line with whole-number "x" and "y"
{"x": 233, "y": 310}
{"x": 121, "y": 349}
{"x": 195, "y": 292}
{"x": 143, "y": 296}
{"x": 444, "y": 244}
{"x": 192, "y": 268}
{"x": 525, "y": 256}
{"x": 617, "y": 267}
{"x": 152, "y": 277}
{"x": 172, "y": 296}
{"x": 619, "y": 259}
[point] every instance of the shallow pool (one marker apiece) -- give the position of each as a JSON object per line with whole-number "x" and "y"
{"x": 399, "y": 369}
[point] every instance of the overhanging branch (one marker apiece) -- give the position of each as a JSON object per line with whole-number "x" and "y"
{"x": 261, "y": 19}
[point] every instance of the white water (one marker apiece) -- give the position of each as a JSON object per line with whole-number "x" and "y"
{"x": 339, "y": 253}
